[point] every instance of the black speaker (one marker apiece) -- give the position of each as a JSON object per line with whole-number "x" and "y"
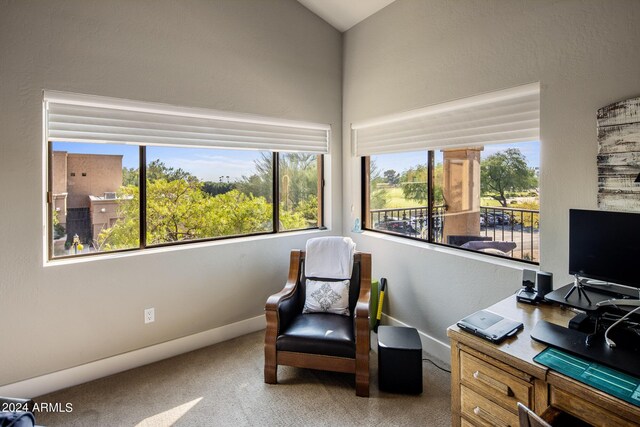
{"x": 544, "y": 283}
{"x": 528, "y": 279}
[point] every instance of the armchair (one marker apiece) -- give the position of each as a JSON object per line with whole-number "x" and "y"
{"x": 323, "y": 341}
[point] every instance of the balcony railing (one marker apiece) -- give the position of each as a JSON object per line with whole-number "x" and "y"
{"x": 520, "y": 226}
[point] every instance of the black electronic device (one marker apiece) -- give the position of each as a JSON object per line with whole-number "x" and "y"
{"x": 544, "y": 283}
{"x": 530, "y": 278}
{"x": 605, "y": 245}
{"x": 527, "y": 293}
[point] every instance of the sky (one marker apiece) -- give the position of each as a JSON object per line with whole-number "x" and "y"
{"x": 402, "y": 161}
{"x": 210, "y": 164}
{"x": 206, "y": 164}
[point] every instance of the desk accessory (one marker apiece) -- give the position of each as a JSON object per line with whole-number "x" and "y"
{"x": 527, "y": 293}
{"x": 612, "y": 381}
{"x": 595, "y": 348}
{"x": 490, "y": 326}
{"x": 543, "y": 285}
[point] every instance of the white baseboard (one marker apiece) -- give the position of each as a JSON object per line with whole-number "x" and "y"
{"x": 112, "y": 365}
{"x": 439, "y": 350}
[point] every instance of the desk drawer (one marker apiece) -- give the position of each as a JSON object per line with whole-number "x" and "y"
{"x": 586, "y": 411}
{"x": 489, "y": 380}
{"x": 483, "y": 412}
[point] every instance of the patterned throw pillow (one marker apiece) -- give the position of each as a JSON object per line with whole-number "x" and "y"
{"x": 327, "y": 297}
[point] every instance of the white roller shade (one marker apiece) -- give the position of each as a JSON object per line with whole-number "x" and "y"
{"x": 506, "y": 116}
{"x": 85, "y": 118}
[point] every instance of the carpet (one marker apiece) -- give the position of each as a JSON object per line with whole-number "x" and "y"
{"x": 222, "y": 385}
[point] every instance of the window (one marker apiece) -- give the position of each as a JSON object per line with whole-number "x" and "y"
{"x": 299, "y": 190}
{"x": 95, "y": 212}
{"x": 135, "y": 195}
{"x": 422, "y": 182}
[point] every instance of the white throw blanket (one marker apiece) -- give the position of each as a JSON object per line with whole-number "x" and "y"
{"x": 329, "y": 257}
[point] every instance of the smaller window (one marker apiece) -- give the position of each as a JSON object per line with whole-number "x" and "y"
{"x": 299, "y": 187}
{"x": 84, "y": 218}
{"x": 480, "y": 198}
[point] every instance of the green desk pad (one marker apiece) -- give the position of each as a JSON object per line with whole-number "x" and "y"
{"x": 603, "y": 378}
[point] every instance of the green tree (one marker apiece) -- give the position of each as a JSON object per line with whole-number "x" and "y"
{"x": 298, "y": 186}
{"x": 298, "y": 178}
{"x": 414, "y": 183}
{"x": 130, "y": 176}
{"x": 260, "y": 183}
{"x": 378, "y": 192}
{"x": 392, "y": 177}
{"x": 236, "y": 213}
{"x": 506, "y": 171}
{"x": 158, "y": 170}
{"x": 214, "y": 188}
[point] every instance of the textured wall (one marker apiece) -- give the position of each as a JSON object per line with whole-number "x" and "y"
{"x": 416, "y": 53}
{"x": 273, "y": 58}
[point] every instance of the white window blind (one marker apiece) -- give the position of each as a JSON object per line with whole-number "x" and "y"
{"x": 506, "y": 116}
{"x": 88, "y": 118}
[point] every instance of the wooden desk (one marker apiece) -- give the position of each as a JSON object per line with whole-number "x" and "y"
{"x": 487, "y": 380}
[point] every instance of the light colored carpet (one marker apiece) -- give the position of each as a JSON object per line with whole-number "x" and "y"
{"x": 222, "y": 385}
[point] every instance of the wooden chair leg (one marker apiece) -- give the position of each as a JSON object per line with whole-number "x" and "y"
{"x": 270, "y": 361}
{"x": 271, "y": 374}
{"x": 362, "y": 387}
{"x": 362, "y": 375}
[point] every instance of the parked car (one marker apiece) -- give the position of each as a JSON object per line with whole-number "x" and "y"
{"x": 494, "y": 218}
{"x": 402, "y": 227}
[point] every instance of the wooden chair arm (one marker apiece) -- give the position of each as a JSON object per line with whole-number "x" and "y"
{"x": 362, "y": 305}
{"x": 290, "y": 286}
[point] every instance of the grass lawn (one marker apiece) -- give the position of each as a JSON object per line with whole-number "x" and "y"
{"x": 395, "y": 199}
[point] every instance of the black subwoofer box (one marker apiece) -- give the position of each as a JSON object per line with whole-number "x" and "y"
{"x": 399, "y": 360}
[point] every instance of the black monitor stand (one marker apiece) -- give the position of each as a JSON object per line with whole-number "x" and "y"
{"x": 579, "y": 286}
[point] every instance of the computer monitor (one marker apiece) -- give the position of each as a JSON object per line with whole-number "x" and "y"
{"x": 605, "y": 245}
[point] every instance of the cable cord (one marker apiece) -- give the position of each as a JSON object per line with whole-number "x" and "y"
{"x": 606, "y": 333}
{"x": 434, "y": 364}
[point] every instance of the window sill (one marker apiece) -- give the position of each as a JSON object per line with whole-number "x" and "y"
{"x": 476, "y": 256}
{"x": 181, "y": 247}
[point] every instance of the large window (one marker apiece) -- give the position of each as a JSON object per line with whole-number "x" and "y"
{"x": 483, "y": 198}
{"x": 129, "y": 175}
{"x": 463, "y": 173}
{"x": 189, "y": 194}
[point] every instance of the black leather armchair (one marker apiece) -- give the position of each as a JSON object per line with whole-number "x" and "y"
{"x": 322, "y": 341}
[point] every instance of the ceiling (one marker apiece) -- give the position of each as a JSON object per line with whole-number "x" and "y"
{"x": 344, "y": 14}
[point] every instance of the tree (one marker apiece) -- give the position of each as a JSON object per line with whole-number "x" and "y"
{"x": 180, "y": 210}
{"x": 379, "y": 195}
{"x": 414, "y": 183}
{"x": 158, "y": 170}
{"x": 392, "y": 177}
{"x": 298, "y": 185}
{"x": 180, "y": 207}
{"x": 214, "y": 188}
{"x": 506, "y": 171}
{"x": 130, "y": 176}
{"x": 260, "y": 183}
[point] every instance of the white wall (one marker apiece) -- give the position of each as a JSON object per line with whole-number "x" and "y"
{"x": 416, "y": 53}
{"x": 272, "y": 58}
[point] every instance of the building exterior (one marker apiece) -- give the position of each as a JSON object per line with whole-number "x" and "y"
{"x": 84, "y": 190}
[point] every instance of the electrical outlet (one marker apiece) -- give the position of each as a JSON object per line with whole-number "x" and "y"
{"x": 149, "y": 315}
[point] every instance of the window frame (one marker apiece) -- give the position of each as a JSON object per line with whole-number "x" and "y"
{"x": 142, "y": 167}
{"x": 365, "y": 191}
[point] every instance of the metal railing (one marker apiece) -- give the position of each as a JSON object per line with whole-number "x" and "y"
{"x": 520, "y": 226}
